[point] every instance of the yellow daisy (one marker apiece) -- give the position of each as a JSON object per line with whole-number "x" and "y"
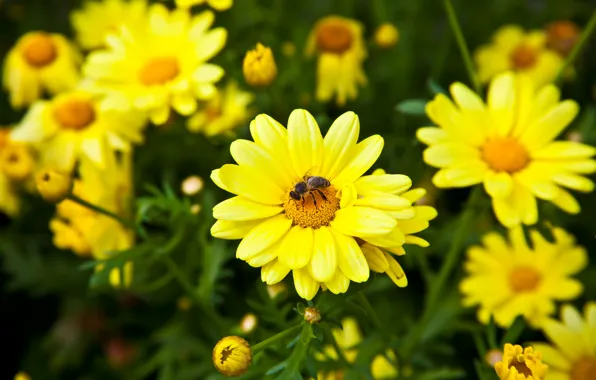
{"x": 99, "y": 18}
{"x": 160, "y": 64}
{"x": 514, "y": 49}
{"x": 303, "y": 204}
{"x": 521, "y": 364}
{"x": 40, "y": 62}
{"x": 341, "y": 52}
{"x": 9, "y": 199}
{"x": 228, "y": 110}
{"x": 508, "y": 145}
{"x": 508, "y": 278}
{"x": 572, "y": 355}
{"x": 77, "y": 124}
{"x": 218, "y": 5}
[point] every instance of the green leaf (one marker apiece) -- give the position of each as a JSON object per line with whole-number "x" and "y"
{"x": 515, "y": 330}
{"x": 435, "y": 88}
{"x": 412, "y": 106}
{"x": 296, "y": 359}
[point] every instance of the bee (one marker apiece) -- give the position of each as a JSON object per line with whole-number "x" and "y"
{"x": 309, "y": 185}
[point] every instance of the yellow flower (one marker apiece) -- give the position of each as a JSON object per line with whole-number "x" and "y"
{"x": 341, "y": 49}
{"x": 572, "y": 355}
{"x": 99, "y": 18}
{"x": 561, "y": 36}
{"x": 16, "y": 161}
{"x": 514, "y": 49}
{"x": 232, "y": 356}
{"x": 228, "y": 110}
{"x": 348, "y": 339}
{"x": 386, "y": 35}
{"x": 40, "y": 62}
{"x": 508, "y": 279}
{"x": 75, "y": 124}
{"x": 314, "y": 233}
{"x": 508, "y": 145}
{"x": 22, "y": 376}
{"x": 218, "y": 5}
{"x": 259, "y": 67}
{"x": 54, "y": 186}
{"x": 521, "y": 364}
{"x": 159, "y": 64}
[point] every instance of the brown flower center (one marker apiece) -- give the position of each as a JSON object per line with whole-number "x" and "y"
{"x": 521, "y": 367}
{"x": 584, "y": 369}
{"x": 334, "y": 36}
{"x": 505, "y": 154}
{"x": 40, "y": 50}
{"x": 523, "y": 57}
{"x": 313, "y": 210}
{"x": 524, "y": 279}
{"x": 158, "y": 71}
{"x": 74, "y": 114}
{"x": 561, "y": 36}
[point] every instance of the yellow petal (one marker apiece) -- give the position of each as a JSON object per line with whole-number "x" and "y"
{"x": 215, "y": 178}
{"x": 263, "y": 236}
{"x": 461, "y": 176}
{"x": 565, "y": 340}
{"x": 395, "y": 272}
{"x": 394, "y": 238}
{"x": 184, "y": 104}
{"x": 501, "y": 102}
{"x": 432, "y": 135}
{"x": 306, "y": 286}
{"x": 339, "y": 144}
{"x": 383, "y": 201}
{"x": 362, "y": 221}
{"x": 338, "y": 284}
{"x": 224, "y": 229}
{"x": 375, "y": 258}
{"x": 350, "y": 259}
{"x": 465, "y": 98}
{"x": 265, "y": 256}
{"x": 498, "y": 184}
{"x": 365, "y": 155}
{"x": 251, "y": 184}
{"x": 305, "y": 143}
{"x": 323, "y": 263}
{"x": 297, "y": 247}
{"x": 462, "y": 127}
{"x": 413, "y": 226}
{"x": 249, "y": 154}
{"x": 575, "y": 182}
{"x": 208, "y": 72}
{"x": 241, "y": 209}
{"x": 566, "y": 202}
{"x": 349, "y": 195}
{"x": 564, "y": 149}
{"x": 414, "y": 195}
{"x": 272, "y": 136}
{"x": 386, "y": 183}
{"x": 274, "y": 272}
{"x": 94, "y": 149}
{"x": 550, "y": 125}
{"x": 553, "y": 357}
{"x": 447, "y": 154}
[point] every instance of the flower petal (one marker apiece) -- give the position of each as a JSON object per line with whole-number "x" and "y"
{"x": 274, "y": 272}
{"x": 249, "y": 154}
{"x": 350, "y": 259}
{"x": 461, "y": 176}
{"x": 338, "y": 284}
{"x": 241, "y": 209}
{"x": 395, "y": 272}
{"x": 447, "y": 154}
{"x": 297, "y": 247}
{"x": 323, "y": 263}
{"x": 432, "y": 135}
{"x": 550, "y": 125}
{"x": 263, "y": 236}
{"x": 306, "y": 286}
{"x": 558, "y": 150}
{"x": 272, "y": 136}
{"x": 465, "y": 98}
{"x": 225, "y": 229}
{"x": 362, "y": 221}
{"x": 501, "y": 102}
{"x": 365, "y": 155}
{"x": 251, "y": 184}
{"x": 386, "y": 183}
{"x": 339, "y": 143}
{"x": 375, "y": 258}
{"x": 498, "y": 184}
{"x": 305, "y": 143}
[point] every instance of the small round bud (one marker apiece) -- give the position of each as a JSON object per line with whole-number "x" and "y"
{"x": 259, "y": 67}
{"x": 22, "y": 376}
{"x": 248, "y": 323}
{"x": 232, "y": 356}
{"x": 386, "y": 35}
{"x": 192, "y": 185}
{"x": 195, "y": 209}
{"x": 16, "y": 162}
{"x": 493, "y": 356}
{"x": 312, "y": 315}
{"x": 184, "y": 303}
{"x": 53, "y": 186}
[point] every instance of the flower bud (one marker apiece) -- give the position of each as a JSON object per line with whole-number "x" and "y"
{"x": 312, "y": 315}
{"x": 184, "y": 303}
{"x": 248, "y": 323}
{"x": 192, "y": 185}
{"x": 232, "y": 356}
{"x": 493, "y": 356}
{"x": 53, "y": 186}
{"x": 22, "y": 376}
{"x": 386, "y": 35}
{"x": 259, "y": 67}
{"x": 16, "y": 162}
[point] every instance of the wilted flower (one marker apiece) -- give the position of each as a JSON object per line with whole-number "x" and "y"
{"x": 259, "y": 66}
{"x": 386, "y": 35}
{"x": 232, "y": 356}
{"x": 520, "y": 364}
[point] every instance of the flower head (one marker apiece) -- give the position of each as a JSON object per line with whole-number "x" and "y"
{"x": 22, "y": 376}
{"x": 386, "y": 35}
{"x": 312, "y": 315}
{"x": 16, "y": 161}
{"x": 514, "y": 49}
{"x": 218, "y": 5}
{"x": 507, "y": 144}
{"x": 520, "y": 364}
{"x": 54, "y": 186}
{"x": 40, "y": 62}
{"x": 226, "y": 111}
{"x": 561, "y": 36}
{"x": 572, "y": 354}
{"x": 160, "y": 64}
{"x": 341, "y": 52}
{"x": 508, "y": 278}
{"x": 232, "y": 356}
{"x": 259, "y": 66}
{"x": 303, "y": 204}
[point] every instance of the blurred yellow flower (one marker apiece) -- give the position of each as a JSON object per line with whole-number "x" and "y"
{"x": 227, "y": 110}
{"x": 160, "y": 64}
{"x": 54, "y": 186}
{"x": 521, "y": 364}
{"x": 561, "y": 36}
{"x": 39, "y": 62}
{"x": 572, "y": 355}
{"x": 22, "y": 376}
{"x": 348, "y": 339}
{"x": 386, "y": 35}
{"x": 508, "y": 279}
{"x": 218, "y": 5}
{"x": 99, "y": 18}
{"x": 16, "y": 160}
{"x": 76, "y": 124}
{"x": 232, "y": 356}
{"x": 341, "y": 52}
{"x": 259, "y": 67}
{"x": 508, "y": 145}
{"x": 514, "y": 49}
{"x": 303, "y": 204}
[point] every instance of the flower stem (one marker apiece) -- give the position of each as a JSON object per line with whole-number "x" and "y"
{"x": 274, "y": 339}
{"x": 578, "y": 47}
{"x": 463, "y": 46}
{"x": 125, "y": 222}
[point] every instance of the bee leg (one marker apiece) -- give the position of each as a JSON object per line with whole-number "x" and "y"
{"x": 322, "y": 194}
{"x": 314, "y": 199}
{"x": 302, "y": 201}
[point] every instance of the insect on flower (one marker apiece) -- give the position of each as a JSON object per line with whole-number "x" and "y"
{"x": 309, "y": 185}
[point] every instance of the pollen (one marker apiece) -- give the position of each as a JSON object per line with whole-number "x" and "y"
{"x": 505, "y": 155}
{"x": 584, "y": 369}
{"x": 40, "y": 50}
{"x": 524, "y": 279}
{"x": 523, "y": 57}
{"x": 74, "y": 114}
{"x": 334, "y": 36}
{"x": 158, "y": 71}
{"x": 313, "y": 210}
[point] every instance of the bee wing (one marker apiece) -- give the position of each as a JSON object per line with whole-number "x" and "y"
{"x": 312, "y": 171}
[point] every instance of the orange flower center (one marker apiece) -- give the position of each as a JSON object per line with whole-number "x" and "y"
{"x": 524, "y": 279}
{"x": 313, "y": 210}
{"x": 334, "y": 37}
{"x": 74, "y": 114}
{"x": 158, "y": 71}
{"x": 40, "y": 51}
{"x": 523, "y": 57}
{"x": 212, "y": 113}
{"x": 505, "y": 154}
{"x": 3, "y": 137}
{"x": 584, "y": 369}
{"x": 561, "y": 36}
{"x": 521, "y": 367}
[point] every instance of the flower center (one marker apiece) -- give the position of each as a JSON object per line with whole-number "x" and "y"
{"x": 561, "y": 36}
{"x": 212, "y": 113}
{"x": 40, "y": 51}
{"x": 524, "y": 279}
{"x": 505, "y": 154}
{"x": 74, "y": 114}
{"x": 316, "y": 208}
{"x": 584, "y": 369}
{"x": 521, "y": 367}
{"x": 334, "y": 37}
{"x": 523, "y": 57}
{"x": 158, "y": 71}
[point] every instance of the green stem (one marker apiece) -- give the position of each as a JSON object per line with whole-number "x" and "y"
{"x": 588, "y": 30}
{"x": 372, "y": 314}
{"x": 463, "y": 46}
{"x": 274, "y": 339}
{"x": 125, "y": 222}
